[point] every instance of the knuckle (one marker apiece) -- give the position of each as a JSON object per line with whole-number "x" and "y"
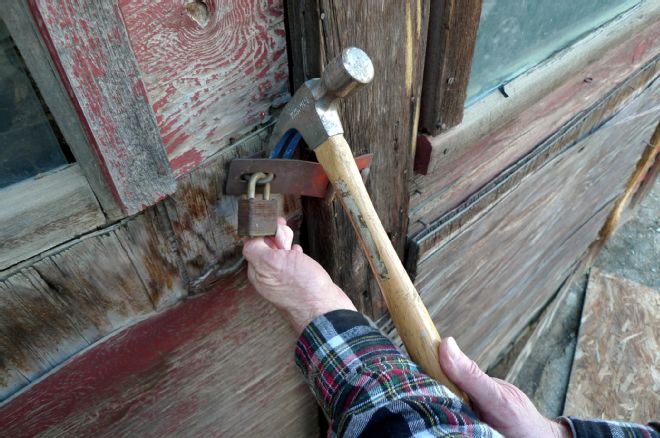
{"x": 474, "y": 370}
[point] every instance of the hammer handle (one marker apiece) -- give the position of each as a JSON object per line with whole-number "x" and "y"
{"x": 406, "y": 308}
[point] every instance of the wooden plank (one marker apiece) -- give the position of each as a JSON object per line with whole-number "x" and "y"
{"x": 486, "y": 116}
{"x": 615, "y": 372}
{"x": 203, "y": 218}
{"x": 521, "y": 248}
{"x": 453, "y": 26}
{"x": 18, "y": 19}
{"x": 578, "y": 127}
{"x": 97, "y": 283}
{"x": 89, "y": 44}
{"x": 36, "y": 332}
{"x": 54, "y": 306}
{"x": 380, "y": 119}
{"x": 211, "y": 69}
{"x": 151, "y": 247}
{"x": 208, "y": 367}
{"x": 465, "y": 171}
{"x": 303, "y": 34}
{"x": 40, "y": 213}
{"x": 640, "y": 181}
{"x": 550, "y": 320}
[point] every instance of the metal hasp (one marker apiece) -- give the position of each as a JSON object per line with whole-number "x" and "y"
{"x": 290, "y": 177}
{"x": 312, "y": 111}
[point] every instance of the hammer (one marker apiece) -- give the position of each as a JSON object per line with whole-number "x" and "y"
{"x": 312, "y": 111}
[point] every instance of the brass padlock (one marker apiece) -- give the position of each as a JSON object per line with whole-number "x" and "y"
{"x": 257, "y": 217}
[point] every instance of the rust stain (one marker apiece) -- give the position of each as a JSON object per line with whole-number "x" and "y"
{"x": 196, "y": 200}
{"x": 161, "y": 272}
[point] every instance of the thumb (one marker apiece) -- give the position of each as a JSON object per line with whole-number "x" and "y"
{"x": 255, "y": 250}
{"x": 466, "y": 374}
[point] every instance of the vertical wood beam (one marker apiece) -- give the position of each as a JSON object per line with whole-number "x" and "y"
{"x": 90, "y": 47}
{"x": 452, "y": 36}
{"x": 381, "y": 119}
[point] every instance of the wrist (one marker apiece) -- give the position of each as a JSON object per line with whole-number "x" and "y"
{"x": 303, "y": 314}
{"x": 560, "y": 429}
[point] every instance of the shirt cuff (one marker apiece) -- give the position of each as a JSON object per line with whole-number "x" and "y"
{"x": 588, "y": 428}
{"x": 333, "y": 347}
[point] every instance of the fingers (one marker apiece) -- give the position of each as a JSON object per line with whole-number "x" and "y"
{"x": 283, "y": 239}
{"x": 256, "y": 249}
{"x": 284, "y": 236}
{"x": 466, "y": 374}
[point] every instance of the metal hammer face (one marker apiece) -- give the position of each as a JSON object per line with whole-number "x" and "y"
{"x": 312, "y": 111}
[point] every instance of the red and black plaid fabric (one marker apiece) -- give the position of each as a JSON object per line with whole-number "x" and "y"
{"x": 368, "y": 387}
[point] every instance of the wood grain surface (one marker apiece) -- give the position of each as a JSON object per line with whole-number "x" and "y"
{"x": 212, "y": 69}
{"x": 220, "y": 364}
{"x": 43, "y": 212}
{"x": 106, "y": 280}
{"x": 485, "y": 281}
{"x": 489, "y": 114}
{"x": 616, "y": 370}
{"x": 460, "y": 173}
{"x": 579, "y": 126}
{"x": 55, "y": 305}
{"x": 453, "y": 26}
{"x": 380, "y": 118}
{"x": 90, "y": 47}
{"x": 204, "y": 219}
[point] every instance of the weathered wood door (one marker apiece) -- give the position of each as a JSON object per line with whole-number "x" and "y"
{"x": 128, "y": 311}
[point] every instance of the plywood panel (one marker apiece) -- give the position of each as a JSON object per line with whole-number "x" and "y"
{"x": 211, "y": 69}
{"x": 487, "y": 279}
{"x": 616, "y": 371}
{"x": 220, "y": 364}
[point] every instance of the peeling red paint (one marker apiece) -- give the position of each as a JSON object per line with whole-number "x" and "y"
{"x": 184, "y": 371}
{"x": 225, "y": 72}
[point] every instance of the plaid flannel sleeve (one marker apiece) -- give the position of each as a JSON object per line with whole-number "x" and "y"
{"x": 367, "y": 387}
{"x": 582, "y": 428}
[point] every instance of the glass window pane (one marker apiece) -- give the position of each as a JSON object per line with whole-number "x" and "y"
{"x": 28, "y": 145}
{"x": 515, "y": 35}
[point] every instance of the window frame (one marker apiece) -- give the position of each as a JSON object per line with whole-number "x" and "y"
{"x": 96, "y": 189}
{"x": 497, "y": 108}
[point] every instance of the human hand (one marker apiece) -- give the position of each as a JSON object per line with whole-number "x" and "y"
{"x": 496, "y": 402}
{"x": 292, "y": 281}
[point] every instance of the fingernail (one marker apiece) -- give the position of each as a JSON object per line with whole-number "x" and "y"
{"x": 453, "y": 350}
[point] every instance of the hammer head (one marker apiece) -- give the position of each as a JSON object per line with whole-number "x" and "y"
{"x": 312, "y": 110}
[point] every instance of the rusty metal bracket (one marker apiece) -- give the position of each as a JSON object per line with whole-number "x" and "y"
{"x": 297, "y": 177}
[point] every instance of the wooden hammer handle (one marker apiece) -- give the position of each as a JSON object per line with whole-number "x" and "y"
{"x": 406, "y": 308}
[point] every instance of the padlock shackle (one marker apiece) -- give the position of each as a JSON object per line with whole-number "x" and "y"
{"x": 252, "y": 185}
